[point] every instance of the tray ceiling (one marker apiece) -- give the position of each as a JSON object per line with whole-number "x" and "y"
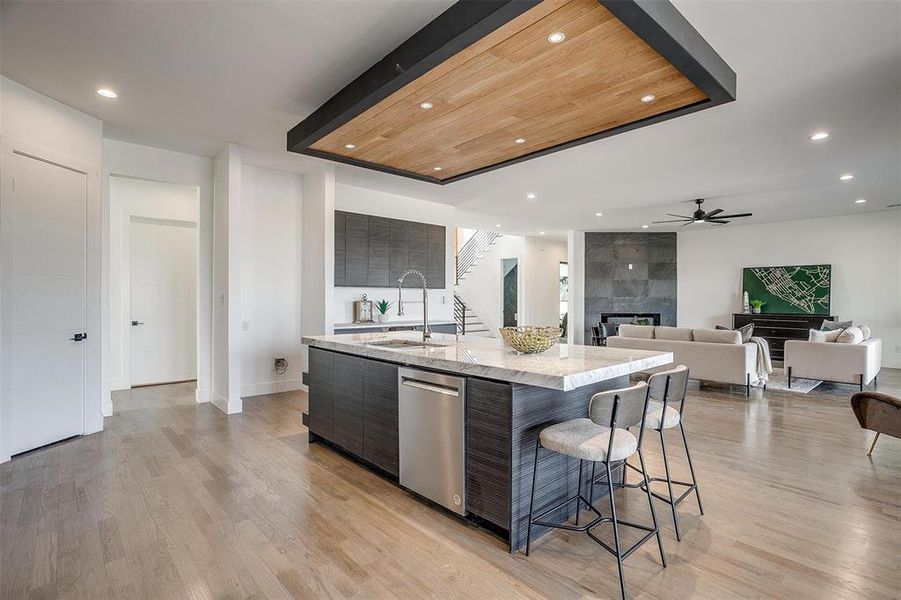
{"x": 486, "y": 87}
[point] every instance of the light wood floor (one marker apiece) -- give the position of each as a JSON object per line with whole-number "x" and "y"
{"x": 176, "y": 500}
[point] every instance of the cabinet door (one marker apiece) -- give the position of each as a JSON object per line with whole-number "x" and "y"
{"x": 356, "y": 232}
{"x": 378, "y": 252}
{"x": 322, "y": 393}
{"x": 488, "y": 426}
{"x": 436, "y": 256}
{"x": 380, "y": 441}
{"x": 348, "y": 380}
{"x": 398, "y": 249}
{"x": 339, "y": 247}
{"x": 419, "y": 251}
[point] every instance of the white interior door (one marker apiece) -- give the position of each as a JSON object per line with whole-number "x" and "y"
{"x": 163, "y": 306}
{"x": 47, "y": 302}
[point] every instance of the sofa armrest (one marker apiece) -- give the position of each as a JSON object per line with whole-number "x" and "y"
{"x": 833, "y": 361}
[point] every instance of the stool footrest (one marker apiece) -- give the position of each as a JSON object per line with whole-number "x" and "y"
{"x": 596, "y": 521}
{"x": 651, "y": 533}
{"x": 690, "y": 488}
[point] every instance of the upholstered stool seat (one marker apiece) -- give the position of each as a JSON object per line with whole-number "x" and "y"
{"x": 655, "y": 418}
{"x": 585, "y": 439}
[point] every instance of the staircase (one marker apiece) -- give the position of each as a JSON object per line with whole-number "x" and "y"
{"x": 474, "y": 248}
{"x": 468, "y": 322}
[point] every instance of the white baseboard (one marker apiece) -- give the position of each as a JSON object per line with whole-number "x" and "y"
{"x": 226, "y": 406}
{"x": 119, "y": 385}
{"x": 4, "y": 459}
{"x": 106, "y": 409}
{"x": 304, "y": 388}
{"x": 270, "y": 387}
{"x": 201, "y": 396}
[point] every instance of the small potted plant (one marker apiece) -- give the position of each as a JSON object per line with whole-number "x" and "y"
{"x": 756, "y": 305}
{"x": 382, "y": 306}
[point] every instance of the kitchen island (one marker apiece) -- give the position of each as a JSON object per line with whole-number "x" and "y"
{"x": 354, "y": 382}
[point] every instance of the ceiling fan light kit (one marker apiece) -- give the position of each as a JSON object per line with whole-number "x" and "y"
{"x": 489, "y": 75}
{"x": 701, "y": 216}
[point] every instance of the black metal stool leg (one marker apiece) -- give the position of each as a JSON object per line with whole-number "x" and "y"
{"x": 579, "y": 491}
{"x": 532, "y": 499}
{"x": 591, "y": 489}
{"x": 691, "y": 468}
{"x": 647, "y": 489}
{"x": 619, "y": 554}
{"x": 669, "y": 484}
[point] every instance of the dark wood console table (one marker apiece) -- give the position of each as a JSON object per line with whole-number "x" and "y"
{"x": 776, "y": 328}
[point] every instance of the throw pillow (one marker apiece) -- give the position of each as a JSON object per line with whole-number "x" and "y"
{"x": 817, "y": 335}
{"x": 851, "y": 335}
{"x": 717, "y": 336}
{"x": 833, "y": 325}
{"x": 643, "y": 332}
{"x": 746, "y": 332}
{"x": 866, "y": 332}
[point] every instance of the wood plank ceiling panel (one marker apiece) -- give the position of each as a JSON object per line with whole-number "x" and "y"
{"x": 514, "y": 83}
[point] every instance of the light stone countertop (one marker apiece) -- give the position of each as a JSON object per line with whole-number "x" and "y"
{"x": 562, "y": 367}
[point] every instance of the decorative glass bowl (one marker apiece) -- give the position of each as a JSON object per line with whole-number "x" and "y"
{"x": 530, "y": 340}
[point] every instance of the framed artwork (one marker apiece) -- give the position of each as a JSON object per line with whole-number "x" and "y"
{"x": 798, "y": 289}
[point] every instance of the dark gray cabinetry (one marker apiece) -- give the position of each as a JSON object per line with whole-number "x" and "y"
{"x": 375, "y": 251}
{"x": 353, "y": 404}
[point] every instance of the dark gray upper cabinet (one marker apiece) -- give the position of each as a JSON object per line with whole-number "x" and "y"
{"x": 340, "y": 248}
{"x": 378, "y": 251}
{"x": 356, "y": 255}
{"x": 375, "y": 251}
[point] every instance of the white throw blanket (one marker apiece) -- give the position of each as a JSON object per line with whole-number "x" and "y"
{"x": 764, "y": 364}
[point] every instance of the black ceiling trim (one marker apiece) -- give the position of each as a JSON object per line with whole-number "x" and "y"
{"x": 657, "y": 22}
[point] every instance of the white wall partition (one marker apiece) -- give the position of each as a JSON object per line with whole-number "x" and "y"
{"x": 163, "y": 184}
{"x": 35, "y": 126}
{"x": 864, "y": 251}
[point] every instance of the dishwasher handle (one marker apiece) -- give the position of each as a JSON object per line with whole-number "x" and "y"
{"x": 430, "y": 387}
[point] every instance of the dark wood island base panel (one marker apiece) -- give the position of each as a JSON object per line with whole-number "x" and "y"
{"x": 353, "y": 406}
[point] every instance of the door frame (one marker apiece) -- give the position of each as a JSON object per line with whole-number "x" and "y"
{"x": 520, "y": 301}
{"x": 91, "y": 404}
{"x": 125, "y": 280}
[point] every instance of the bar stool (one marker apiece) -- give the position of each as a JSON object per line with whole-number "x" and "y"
{"x": 666, "y": 389}
{"x": 601, "y": 438}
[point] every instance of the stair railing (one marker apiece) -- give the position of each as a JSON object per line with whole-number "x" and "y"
{"x": 460, "y": 314}
{"x": 473, "y": 250}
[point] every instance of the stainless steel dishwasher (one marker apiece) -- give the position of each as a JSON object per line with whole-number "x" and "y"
{"x": 431, "y": 413}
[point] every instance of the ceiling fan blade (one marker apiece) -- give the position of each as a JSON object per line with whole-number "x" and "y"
{"x": 714, "y": 212}
{"x": 680, "y": 216}
{"x": 735, "y": 216}
{"x": 689, "y": 223}
{"x": 717, "y": 221}
{"x": 673, "y": 221}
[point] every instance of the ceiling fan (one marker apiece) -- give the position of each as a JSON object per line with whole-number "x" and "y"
{"x": 700, "y": 216}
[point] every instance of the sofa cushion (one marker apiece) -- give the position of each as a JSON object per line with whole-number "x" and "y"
{"x": 643, "y": 332}
{"x": 817, "y": 335}
{"x": 833, "y": 325}
{"x": 746, "y": 331}
{"x": 678, "y": 334}
{"x": 867, "y": 333}
{"x": 717, "y": 336}
{"x": 851, "y": 335}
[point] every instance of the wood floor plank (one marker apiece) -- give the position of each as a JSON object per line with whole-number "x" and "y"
{"x": 176, "y": 500}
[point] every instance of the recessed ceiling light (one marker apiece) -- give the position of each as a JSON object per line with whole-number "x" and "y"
{"x": 106, "y": 93}
{"x": 648, "y": 98}
{"x": 540, "y": 233}
{"x": 498, "y": 225}
{"x": 437, "y": 168}
{"x": 530, "y": 196}
{"x": 520, "y": 140}
{"x": 847, "y": 177}
{"x": 819, "y": 135}
{"x": 860, "y": 201}
{"x": 599, "y": 214}
{"x": 645, "y": 226}
{"x": 556, "y": 37}
{"x": 349, "y": 146}
{"x": 426, "y": 105}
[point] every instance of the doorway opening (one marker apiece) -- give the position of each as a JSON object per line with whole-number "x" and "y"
{"x": 510, "y": 284}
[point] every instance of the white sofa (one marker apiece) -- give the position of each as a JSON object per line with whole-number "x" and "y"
{"x": 728, "y": 361}
{"x": 833, "y": 361}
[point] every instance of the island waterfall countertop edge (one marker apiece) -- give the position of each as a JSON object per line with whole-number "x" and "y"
{"x": 562, "y": 367}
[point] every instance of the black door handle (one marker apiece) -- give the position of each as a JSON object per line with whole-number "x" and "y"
{"x": 79, "y": 337}
{"x": 136, "y": 323}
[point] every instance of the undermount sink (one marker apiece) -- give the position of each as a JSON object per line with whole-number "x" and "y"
{"x": 400, "y": 344}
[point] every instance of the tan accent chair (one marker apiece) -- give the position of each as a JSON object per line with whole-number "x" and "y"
{"x": 835, "y": 362}
{"x": 877, "y": 412}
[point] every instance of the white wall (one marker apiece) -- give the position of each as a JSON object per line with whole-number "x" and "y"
{"x": 538, "y": 274}
{"x": 864, "y": 251}
{"x": 382, "y": 204}
{"x": 270, "y": 279}
{"x": 144, "y": 162}
{"x": 575, "y": 249}
{"x": 136, "y": 198}
{"x": 47, "y": 127}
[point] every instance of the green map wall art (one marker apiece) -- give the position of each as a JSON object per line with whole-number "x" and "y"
{"x": 803, "y": 289}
